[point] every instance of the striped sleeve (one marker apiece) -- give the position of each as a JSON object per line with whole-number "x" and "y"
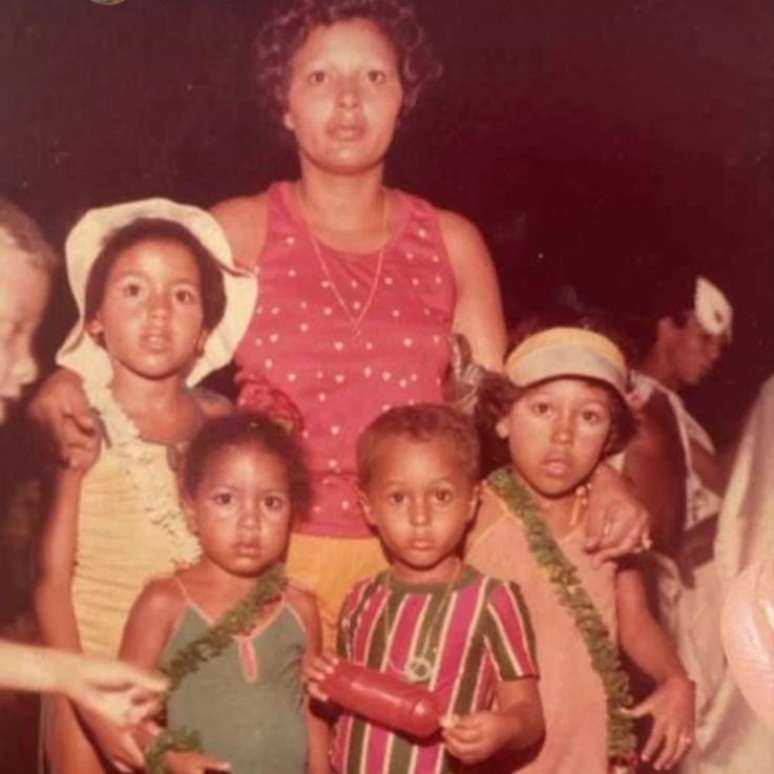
{"x": 508, "y": 633}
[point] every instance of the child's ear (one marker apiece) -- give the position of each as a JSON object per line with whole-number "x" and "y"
{"x": 501, "y": 428}
{"x": 288, "y": 122}
{"x": 189, "y": 513}
{"x": 366, "y": 506}
{"x": 475, "y": 498}
{"x": 94, "y": 327}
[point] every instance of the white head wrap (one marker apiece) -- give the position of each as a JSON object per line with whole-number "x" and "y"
{"x": 712, "y": 309}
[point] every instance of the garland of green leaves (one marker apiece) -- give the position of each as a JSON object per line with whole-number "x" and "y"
{"x": 239, "y": 620}
{"x": 563, "y": 575}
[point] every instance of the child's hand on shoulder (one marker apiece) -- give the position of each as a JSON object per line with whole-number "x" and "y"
{"x": 316, "y": 669}
{"x": 673, "y": 711}
{"x": 474, "y": 738}
{"x": 193, "y": 763}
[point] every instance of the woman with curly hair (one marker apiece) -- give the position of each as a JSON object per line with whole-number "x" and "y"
{"x": 360, "y": 284}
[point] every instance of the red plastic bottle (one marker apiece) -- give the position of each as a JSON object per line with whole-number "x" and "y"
{"x": 383, "y": 699}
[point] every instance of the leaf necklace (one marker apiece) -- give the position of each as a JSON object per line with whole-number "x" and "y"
{"x": 563, "y": 576}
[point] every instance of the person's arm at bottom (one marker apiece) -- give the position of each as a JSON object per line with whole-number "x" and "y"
{"x": 120, "y": 693}
{"x": 317, "y": 728}
{"x": 516, "y": 724}
{"x": 672, "y": 702}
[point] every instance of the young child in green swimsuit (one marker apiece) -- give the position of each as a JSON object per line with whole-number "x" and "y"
{"x": 243, "y": 481}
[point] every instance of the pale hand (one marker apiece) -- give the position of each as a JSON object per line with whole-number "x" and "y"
{"x": 120, "y": 693}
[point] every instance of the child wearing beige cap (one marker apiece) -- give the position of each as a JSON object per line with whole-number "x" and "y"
{"x": 160, "y": 305}
{"x": 561, "y": 406}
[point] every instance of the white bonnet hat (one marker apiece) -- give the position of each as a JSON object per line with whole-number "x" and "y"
{"x": 81, "y": 354}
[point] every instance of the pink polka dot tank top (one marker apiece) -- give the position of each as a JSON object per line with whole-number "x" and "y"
{"x": 343, "y": 337}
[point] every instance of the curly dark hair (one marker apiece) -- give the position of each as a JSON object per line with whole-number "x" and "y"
{"x": 423, "y": 422}
{"x": 245, "y": 428}
{"x": 140, "y": 230}
{"x": 497, "y": 394}
{"x": 289, "y": 25}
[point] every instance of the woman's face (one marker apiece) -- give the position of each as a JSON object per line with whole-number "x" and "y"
{"x": 344, "y": 97}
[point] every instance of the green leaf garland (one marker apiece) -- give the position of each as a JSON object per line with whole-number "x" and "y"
{"x": 239, "y": 620}
{"x": 563, "y": 575}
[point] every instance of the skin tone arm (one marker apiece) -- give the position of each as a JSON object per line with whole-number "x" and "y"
{"x": 655, "y": 464}
{"x": 517, "y": 724}
{"x": 478, "y": 314}
{"x": 318, "y": 733}
{"x": 53, "y": 593}
{"x": 120, "y": 693}
{"x": 671, "y": 704}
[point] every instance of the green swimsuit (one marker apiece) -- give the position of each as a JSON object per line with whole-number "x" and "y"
{"x": 247, "y": 703}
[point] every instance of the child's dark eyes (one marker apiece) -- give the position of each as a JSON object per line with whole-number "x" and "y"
{"x": 274, "y": 502}
{"x": 185, "y": 296}
{"x": 223, "y": 498}
{"x": 443, "y": 495}
{"x": 131, "y": 290}
{"x": 396, "y": 498}
{"x": 377, "y": 76}
{"x": 316, "y": 77}
{"x": 540, "y": 408}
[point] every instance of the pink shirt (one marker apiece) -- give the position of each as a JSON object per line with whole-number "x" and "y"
{"x": 345, "y": 337}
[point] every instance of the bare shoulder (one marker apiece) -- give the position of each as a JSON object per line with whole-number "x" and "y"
{"x": 301, "y": 600}
{"x": 305, "y": 605}
{"x": 212, "y": 404}
{"x": 657, "y": 428}
{"x": 461, "y": 236}
{"x": 488, "y": 513}
{"x": 160, "y": 598}
{"x": 244, "y": 220}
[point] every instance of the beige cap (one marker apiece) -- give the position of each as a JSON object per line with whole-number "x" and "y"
{"x": 82, "y": 354}
{"x": 566, "y": 351}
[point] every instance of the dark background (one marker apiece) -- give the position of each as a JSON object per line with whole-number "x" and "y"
{"x": 597, "y": 145}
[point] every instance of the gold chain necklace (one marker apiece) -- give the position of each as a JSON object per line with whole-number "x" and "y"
{"x": 419, "y": 667}
{"x": 354, "y": 320}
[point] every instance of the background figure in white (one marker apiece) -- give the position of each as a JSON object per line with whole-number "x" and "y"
{"x": 744, "y": 555}
{"x": 678, "y": 475}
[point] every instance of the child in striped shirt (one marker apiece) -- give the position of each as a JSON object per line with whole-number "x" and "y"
{"x": 431, "y": 619}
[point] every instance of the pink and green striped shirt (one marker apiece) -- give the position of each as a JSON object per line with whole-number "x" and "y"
{"x": 475, "y": 635}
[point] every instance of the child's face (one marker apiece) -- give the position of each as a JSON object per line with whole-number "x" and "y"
{"x": 420, "y": 499}
{"x": 151, "y": 318}
{"x": 557, "y": 433}
{"x": 241, "y": 510}
{"x": 23, "y": 295}
{"x": 344, "y": 96}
